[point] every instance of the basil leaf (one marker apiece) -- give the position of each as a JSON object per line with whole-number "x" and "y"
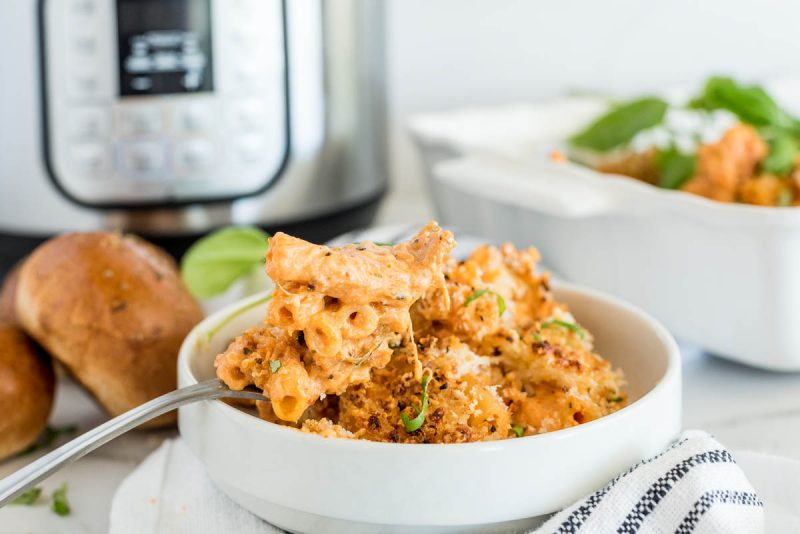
{"x": 518, "y": 430}
{"x": 621, "y": 124}
{"x": 750, "y": 103}
{"x": 501, "y": 302}
{"x": 216, "y": 261}
{"x": 60, "y": 502}
{"x": 28, "y": 498}
{"x": 413, "y": 425}
{"x": 675, "y": 167}
{"x": 783, "y": 150}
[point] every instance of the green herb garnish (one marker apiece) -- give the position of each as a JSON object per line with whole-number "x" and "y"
{"x": 274, "y": 365}
{"x": 211, "y": 333}
{"x": 785, "y": 198}
{"x": 783, "y": 150}
{"x": 49, "y": 436}
{"x": 28, "y": 498}
{"x": 614, "y": 399}
{"x": 413, "y": 425}
{"x": 501, "y": 303}
{"x": 572, "y": 327}
{"x": 621, "y": 124}
{"x": 60, "y": 504}
{"x": 675, "y": 167}
{"x": 518, "y": 430}
{"x": 218, "y": 260}
{"x": 751, "y": 104}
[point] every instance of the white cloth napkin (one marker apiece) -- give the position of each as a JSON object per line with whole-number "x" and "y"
{"x": 693, "y": 487}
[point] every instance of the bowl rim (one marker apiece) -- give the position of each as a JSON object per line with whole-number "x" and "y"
{"x": 193, "y": 342}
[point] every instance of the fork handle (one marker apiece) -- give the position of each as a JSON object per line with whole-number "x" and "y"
{"x": 19, "y": 481}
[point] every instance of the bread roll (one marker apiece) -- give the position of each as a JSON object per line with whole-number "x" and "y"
{"x": 113, "y": 309}
{"x": 26, "y": 391}
{"x": 8, "y": 296}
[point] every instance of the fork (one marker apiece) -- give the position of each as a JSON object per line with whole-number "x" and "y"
{"x": 27, "y": 477}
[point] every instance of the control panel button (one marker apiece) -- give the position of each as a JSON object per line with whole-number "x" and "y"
{"x": 89, "y": 123}
{"x": 83, "y": 7}
{"x": 142, "y": 120}
{"x": 85, "y": 85}
{"x": 144, "y": 158}
{"x": 249, "y": 115}
{"x": 197, "y": 155}
{"x": 194, "y": 118}
{"x": 92, "y": 159}
{"x": 250, "y": 148}
{"x": 85, "y": 45}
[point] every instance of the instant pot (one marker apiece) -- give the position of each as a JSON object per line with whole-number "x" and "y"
{"x": 169, "y": 118}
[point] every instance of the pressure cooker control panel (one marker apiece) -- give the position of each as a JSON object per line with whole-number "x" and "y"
{"x": 164, "y": 101}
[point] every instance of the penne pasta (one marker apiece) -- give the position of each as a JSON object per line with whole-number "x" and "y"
{"x": 405, "y": 344}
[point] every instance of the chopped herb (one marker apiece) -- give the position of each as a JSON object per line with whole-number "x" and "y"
{"x": 364, "y": 357}
{"x": 785, "y": 198}
{"x": 621, "y": 124}
{"x": 274, "y": 365}
{"x": 501, "y": 303}
{"x": 518, "y": 430}
{"x": 384, "y": 244}
{"x": 28, "y": 498}
{"x": 572, "y": 327}
{"x": 614, "y": 399}
{"x": 48, "y": 437}
{"x": 218, "y": 260}
{"x": 413, "y": 425}
{"x": 60, "y": 503}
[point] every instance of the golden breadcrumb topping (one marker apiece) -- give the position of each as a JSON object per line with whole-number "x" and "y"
{"x": 405, "y": 344}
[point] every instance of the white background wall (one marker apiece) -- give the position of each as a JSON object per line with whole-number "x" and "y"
{"x": 452, "y": 53}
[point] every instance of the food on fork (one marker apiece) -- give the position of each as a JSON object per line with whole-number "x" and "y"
{"x": 335, "y": 314}
{"x": 406, "y": 344}
{"x": 26, "y": 391}
{"x": 113, "y": 310}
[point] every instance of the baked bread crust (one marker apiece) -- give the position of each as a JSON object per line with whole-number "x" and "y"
{"x": 26, "y": 391}
{"x": 113, "y": 309}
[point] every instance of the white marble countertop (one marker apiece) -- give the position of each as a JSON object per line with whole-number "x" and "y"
{"x": 745, "y": 408}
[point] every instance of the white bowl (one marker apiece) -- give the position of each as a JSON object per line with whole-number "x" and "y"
{"x": 722, "y": 276}
{"x": 306, "y": 483}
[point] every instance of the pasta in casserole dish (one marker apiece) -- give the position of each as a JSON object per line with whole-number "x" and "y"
{"x": 404, "y": 343}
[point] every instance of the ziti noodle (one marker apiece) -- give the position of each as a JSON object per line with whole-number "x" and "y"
{"x": 406, "y": 344}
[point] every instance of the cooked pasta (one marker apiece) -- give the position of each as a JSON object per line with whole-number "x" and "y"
{"x": 336, "y": 314}
{"x": 405, "y": 344}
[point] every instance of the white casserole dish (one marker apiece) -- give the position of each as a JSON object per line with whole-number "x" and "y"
{"x": 307, "y": 483}
{"x": 722, "y": 276}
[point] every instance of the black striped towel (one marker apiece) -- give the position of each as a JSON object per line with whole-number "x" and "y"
{"x": 694, "y": 486}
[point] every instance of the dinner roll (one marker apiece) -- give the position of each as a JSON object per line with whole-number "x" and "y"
{"x": 8, "y": 296}
{"x": 113, "y": 309}
{"x": 26, "y": 391}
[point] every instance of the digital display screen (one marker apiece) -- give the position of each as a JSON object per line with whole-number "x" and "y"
{"x": 164, "y": 46}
